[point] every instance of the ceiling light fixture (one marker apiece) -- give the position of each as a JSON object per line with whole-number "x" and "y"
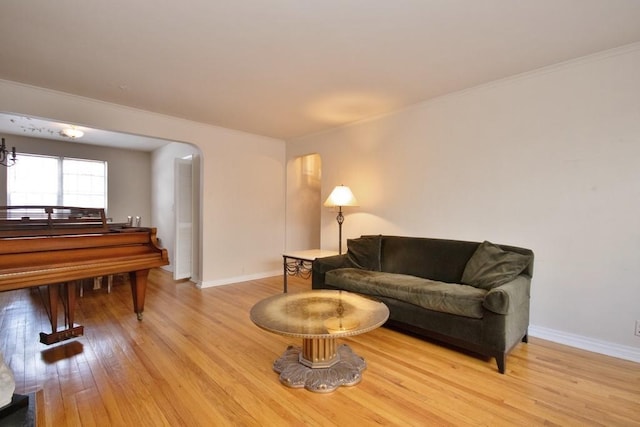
{"x": 6, "y": 159}
{"x": 72, "y": 133}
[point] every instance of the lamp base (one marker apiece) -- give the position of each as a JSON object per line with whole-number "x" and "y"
{"x": 340, "y": 219}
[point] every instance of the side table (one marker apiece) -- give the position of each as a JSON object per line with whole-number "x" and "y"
{"x": 299, "y": 263}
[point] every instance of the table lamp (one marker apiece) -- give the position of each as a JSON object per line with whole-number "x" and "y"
{"x": 340, "y": 196}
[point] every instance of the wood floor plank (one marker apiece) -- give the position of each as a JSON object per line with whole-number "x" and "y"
{"x": 197, "y": 359}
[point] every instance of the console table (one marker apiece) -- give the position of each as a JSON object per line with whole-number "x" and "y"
{"x": 299, "y": 263}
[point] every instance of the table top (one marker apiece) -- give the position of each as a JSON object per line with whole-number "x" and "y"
{"x": 319, "y": 314}
{"x": 310, "y": 254}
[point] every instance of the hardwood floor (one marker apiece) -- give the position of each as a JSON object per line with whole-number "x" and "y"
{"x": 197, "y": 359}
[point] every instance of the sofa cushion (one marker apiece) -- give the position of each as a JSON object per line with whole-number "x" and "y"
{"x": 364, "y": 252}
{"x": 435, "y": 259}
{"x": 444, "y": 297}
{"x": 490, "y": 266}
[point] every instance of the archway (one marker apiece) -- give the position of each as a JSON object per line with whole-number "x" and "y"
{"x": 304, "y": 178}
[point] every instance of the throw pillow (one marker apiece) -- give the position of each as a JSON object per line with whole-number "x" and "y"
{"x": 490, "y": 266}
{"x": 364, "y": 252}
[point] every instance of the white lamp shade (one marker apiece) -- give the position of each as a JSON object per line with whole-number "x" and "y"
{"x": 341, "y": 196}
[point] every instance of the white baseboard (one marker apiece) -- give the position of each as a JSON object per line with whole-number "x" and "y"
{"x": 586, "y": 343}
{"x": 238, "y": 279}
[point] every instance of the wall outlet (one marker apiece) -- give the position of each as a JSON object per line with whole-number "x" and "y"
{"x": 637, "y": 328}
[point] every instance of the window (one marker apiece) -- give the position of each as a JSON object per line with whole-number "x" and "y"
{"x": 57, "y": 181}
{"x": 83, "y": 183}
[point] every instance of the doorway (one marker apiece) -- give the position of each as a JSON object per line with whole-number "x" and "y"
{"x": 304, "y": 179}
{"x": 183, "y": 199}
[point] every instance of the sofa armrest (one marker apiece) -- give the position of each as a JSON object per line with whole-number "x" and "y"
{"x": 322, "y": 265}
{"x": 506, "y": 298}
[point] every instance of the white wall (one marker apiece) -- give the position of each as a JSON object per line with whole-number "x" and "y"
{"x": 128, "y": 173}
{"x": 549, "y": 160}
{"x": 243, "y": 177}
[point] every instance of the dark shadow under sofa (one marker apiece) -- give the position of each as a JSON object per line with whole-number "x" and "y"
{"x": 469, "y": 294}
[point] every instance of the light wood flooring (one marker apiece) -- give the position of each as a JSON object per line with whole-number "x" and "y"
{"x": 197, "y": 360}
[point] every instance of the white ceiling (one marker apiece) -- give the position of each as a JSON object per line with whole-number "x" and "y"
{"x": 286, "y": 68}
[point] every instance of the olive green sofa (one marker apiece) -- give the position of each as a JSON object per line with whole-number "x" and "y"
{"x": 469, "y": 294}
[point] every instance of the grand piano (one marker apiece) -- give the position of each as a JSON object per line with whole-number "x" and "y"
{"x": 57, "y": 246}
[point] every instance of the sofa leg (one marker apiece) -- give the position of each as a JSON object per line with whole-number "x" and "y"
{"x": 501, "y": 360}
{"x": 525, "y": 338}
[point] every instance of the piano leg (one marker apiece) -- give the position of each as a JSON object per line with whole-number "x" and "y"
{"x": 70, "y": 307}
{"x": 138, "y": 281}
{"x": 54, "y": 292}
{"x": 71, "y": 330}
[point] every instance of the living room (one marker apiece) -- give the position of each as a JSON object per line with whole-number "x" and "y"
{"x": 544, "y": 159}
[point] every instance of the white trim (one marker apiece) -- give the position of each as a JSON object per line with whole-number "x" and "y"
{"x": 586, "y": 343}
{"x": 238, "y": 279}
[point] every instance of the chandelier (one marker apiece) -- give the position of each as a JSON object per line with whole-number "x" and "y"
{"x": 5, "y": 159}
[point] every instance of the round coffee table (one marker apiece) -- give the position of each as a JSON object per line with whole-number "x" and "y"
{"x": 319, "y": 317}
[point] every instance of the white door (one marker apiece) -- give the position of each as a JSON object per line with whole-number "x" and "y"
{"x": 183, "y": 257}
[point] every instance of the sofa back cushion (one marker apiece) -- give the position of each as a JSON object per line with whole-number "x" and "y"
{"x": 364, "y": 252}
{"x": 435, "y": 259}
